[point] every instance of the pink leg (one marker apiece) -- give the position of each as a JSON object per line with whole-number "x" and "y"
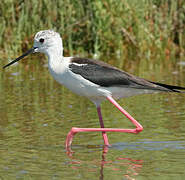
{"x": 105, "y": 138}
{"x": 139, "y": 128}
{"x": 75, "y": 130}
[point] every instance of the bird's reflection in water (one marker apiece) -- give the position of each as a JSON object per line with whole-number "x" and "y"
{"x": 128, "y": 167}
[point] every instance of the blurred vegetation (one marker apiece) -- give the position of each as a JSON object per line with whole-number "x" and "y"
{"x": 130, "y": 29}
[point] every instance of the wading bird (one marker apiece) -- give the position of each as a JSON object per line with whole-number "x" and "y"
{"x": 93, "y": 79}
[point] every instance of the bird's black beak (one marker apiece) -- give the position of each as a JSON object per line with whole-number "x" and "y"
{"x": 32, "y": 50}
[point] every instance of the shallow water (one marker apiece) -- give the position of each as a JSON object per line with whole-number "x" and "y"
{"x": 36, "y": 114}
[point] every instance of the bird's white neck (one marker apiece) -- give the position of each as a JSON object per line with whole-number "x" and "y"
{"x": 55, "y": 56}
{"x": 54, "y": 52}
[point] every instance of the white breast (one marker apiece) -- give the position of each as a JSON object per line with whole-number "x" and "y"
{"x": 75, "y": 82}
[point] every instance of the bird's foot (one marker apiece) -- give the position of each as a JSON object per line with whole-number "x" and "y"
{"x": 70, "y": 136}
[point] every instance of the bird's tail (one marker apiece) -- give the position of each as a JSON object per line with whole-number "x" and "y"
{"x": 171, "y": 87}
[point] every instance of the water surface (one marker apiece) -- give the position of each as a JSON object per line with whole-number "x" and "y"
{"x": 36, "y": 114}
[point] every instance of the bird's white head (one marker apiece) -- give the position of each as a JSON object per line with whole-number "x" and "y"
{"x": 48, "y": 42}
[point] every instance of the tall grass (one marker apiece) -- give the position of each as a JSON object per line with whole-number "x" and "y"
{"x": 130, "y": 29}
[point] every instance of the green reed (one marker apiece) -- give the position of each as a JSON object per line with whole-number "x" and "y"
{"x": 130, "y": 29}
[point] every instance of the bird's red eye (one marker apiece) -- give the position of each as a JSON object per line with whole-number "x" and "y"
{"x": 41, "y": 40}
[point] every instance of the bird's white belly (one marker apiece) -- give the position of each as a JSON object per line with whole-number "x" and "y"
{"x": 122, "y": 92}
{"x": 79, "y": 85}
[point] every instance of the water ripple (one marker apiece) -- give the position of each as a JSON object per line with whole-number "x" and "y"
{"x": 151, "y": 145}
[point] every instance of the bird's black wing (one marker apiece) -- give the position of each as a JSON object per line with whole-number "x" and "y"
{"x": 106, "y": 75}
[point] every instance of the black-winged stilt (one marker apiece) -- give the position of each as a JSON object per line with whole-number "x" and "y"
{"x": 94, "y": 79}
